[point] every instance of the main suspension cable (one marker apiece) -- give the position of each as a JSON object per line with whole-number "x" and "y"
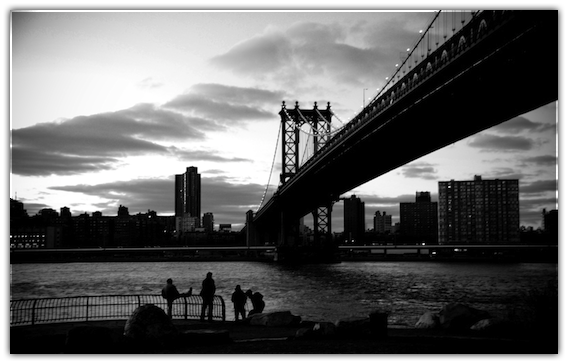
{"x": 271, "y": 169}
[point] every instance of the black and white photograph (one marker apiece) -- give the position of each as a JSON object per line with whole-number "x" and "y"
{"x": 283, "y": 179}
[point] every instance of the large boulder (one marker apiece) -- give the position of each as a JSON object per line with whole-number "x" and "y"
{"x": 280, "y": 318}
{"x": 428, "y": 320}
{"x": 149, "y": 325}
{"x": 457, "y": 316}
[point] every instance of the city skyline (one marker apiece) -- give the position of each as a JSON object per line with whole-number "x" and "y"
{"x": 120, "y": 130}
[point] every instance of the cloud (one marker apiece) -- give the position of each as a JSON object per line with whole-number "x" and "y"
{"x": 228, "y": 202}
{"x": 341, "y": 53}
{"x": 531, "y": 209}
{"x": 203, "y": 155}
{"x": 263, "y": 53}
{"x": 98, "y": 142}
{"x": 541, "y": 160}
{"x": 27, "y": 162}
{"x": 506, "y": 173}
{"x": 149, "y": 83}
{"x": 420, "y": 170}
{"x": 520, "y": 124}
{"x": 226, "y": 104}
{"x": 491, "y": 142}
{"x": 243, "y": 95}
{"x": 539, "y": 187}
{"x": 219, "y": 111}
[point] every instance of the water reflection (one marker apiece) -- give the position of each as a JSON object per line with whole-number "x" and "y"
{"x": 315, "y": 292}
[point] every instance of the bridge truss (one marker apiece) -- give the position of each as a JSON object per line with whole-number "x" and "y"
{"x": 319, "y": 122}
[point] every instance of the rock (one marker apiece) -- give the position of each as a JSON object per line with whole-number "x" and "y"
{"x": 428, "y": 320}
{"x": 150, "y": 326}
{"x": 324, "y": 329}
{"x": 495, "y": 326}
{"x": 304, "y": 333}
{"x": 457, "y": 316}
{"x": 482, "y": 325}
{"x": 280, "y": 318}
{"x": 379, "y": 323}
{"x": 353, "y": 326}
{"x": 89, "y": 340}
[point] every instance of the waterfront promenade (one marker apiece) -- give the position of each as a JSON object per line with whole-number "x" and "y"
{"x": 246, "y": 339}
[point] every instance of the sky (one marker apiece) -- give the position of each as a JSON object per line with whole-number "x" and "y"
{"x": 107, "y": 106}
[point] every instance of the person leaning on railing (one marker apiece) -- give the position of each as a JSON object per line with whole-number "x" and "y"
{"x": 171, "y": 293}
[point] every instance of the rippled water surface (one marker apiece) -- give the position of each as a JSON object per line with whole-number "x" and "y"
{"x": 314, "y": 292}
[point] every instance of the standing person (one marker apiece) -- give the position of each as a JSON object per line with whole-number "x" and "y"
{"x": 170, "y": 293}
{"x": 207, "y": 294}
{"x": 239, "y": 299}
{"x": 257, "y": 302}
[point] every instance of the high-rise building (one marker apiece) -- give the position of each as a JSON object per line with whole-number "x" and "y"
{"x": 382, "y": 223}
{"x": 188, "y": 196}
{"x": 208, "y": 222}
{"x": 479, "y": 211}
{"x": 419, "y": 220}
{"x": 353, "y": 219}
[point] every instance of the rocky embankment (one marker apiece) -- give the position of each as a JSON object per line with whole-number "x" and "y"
{"x": 456, "y": 328}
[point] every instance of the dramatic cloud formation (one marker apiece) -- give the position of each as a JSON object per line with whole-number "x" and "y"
{"x": 491, "y": 142}
{"x": 98, "y": 142}
{"x": 226, "y": 104}
{"x": 348, "y": 54}
{"x": 419, "y": 170}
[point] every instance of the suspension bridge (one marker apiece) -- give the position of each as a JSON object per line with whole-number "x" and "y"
{"x": 468, "y": 71}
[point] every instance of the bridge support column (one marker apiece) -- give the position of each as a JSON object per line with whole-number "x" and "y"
{"x": 287, "y": 249}
{"x": 252, "y": 238}
{"x": 324, "y": 246}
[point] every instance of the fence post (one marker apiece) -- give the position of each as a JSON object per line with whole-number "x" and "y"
{"x": 33, "y": 312}
{"x": 223, "y": 311}
{"x": 185, "y": 308}
{"x": 87, "y": 310}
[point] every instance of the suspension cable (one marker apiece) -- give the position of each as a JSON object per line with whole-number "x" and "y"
{"x": 271, "y": 169}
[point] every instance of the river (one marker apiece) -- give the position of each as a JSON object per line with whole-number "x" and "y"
{"x": 323, "y": 292}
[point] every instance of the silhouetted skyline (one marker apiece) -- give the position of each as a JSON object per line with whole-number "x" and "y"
{"x": 117, "y": 116}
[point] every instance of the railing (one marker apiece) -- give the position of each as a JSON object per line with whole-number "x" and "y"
{"x": 90, "y": 308}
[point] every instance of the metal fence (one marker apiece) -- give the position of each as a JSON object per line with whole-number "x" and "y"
{"x": 95, "y": 308}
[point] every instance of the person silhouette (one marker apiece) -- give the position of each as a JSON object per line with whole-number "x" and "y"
{"x": 170, "y": 293}
{"x": 257, "y": 302}
{"x": 239, "y": 299}
{"x": 207, "y": 294}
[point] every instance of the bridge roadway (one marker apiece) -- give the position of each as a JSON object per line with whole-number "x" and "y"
{"x": 511, "y": 71}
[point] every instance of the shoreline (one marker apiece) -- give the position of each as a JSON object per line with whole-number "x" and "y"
{"x": 38, "y": 259}
{"x": 246, "y": 339}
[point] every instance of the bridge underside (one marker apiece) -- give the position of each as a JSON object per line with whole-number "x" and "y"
{"x": 511, "y": 72}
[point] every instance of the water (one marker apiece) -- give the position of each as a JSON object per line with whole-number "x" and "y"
{"x": 322, "y": 292}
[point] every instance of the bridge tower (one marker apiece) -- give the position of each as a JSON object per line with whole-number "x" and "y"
{"x": 320, "y": 125}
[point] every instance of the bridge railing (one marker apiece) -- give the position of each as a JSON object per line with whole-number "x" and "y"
{"x": 479, "y": 27}
{"x": 109, "y": 307}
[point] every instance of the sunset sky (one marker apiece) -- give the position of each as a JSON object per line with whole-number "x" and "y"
{"x": 106, "y": 107}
